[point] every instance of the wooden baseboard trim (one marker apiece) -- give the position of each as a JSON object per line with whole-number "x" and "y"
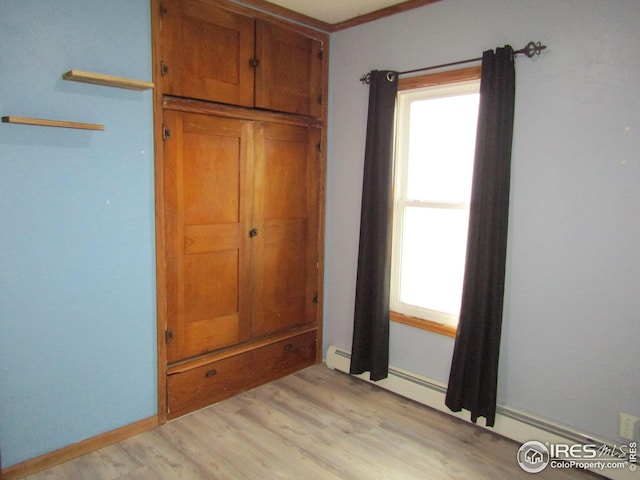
{"x": 51, "y": 459}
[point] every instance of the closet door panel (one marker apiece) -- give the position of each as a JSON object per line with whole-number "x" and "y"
{"x": 207, "y": 214}
{"x": 206, "y": 51}
{"x": 285, "y": 210}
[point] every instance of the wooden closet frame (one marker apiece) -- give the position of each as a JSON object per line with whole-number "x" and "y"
{"x": 238, "y": 112}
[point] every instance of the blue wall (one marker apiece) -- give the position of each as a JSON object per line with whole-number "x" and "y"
{"x": 77, "y": 277}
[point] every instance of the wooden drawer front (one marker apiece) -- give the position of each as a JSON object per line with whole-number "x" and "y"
{"x": 202, "y": 386}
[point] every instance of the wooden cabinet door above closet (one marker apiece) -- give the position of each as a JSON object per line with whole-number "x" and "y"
{"x": 206, "y": 52}
{"x": 220, "y": 55}
{"x": 289, "y": 76}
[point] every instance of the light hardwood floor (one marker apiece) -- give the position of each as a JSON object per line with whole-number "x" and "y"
{"x": 315, "y": 424}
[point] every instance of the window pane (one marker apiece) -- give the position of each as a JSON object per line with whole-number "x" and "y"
{"x": 441, "y": 148}
{"x": 433, "y": 258}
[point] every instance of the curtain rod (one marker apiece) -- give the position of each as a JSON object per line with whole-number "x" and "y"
{"x": 530, "y": 50}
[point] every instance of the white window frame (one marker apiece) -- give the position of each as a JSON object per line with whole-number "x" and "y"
{"x": 405, "y": 98}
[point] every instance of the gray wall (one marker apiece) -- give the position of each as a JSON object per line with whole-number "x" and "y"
{"x": 571, "y": 321}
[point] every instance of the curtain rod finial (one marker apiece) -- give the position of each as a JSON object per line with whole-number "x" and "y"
{"x": 533, "y": 48}
{"x": 366, "y": 79}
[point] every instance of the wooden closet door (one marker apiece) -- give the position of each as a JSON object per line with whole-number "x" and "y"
{"x": 206, "y": 52}
{"x": 289, "y": 77}
{"x": 285, "y": 250}
{"x": 207, "y": 183}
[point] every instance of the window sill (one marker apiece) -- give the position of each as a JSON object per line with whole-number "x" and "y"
{"x": 422, "y": 324}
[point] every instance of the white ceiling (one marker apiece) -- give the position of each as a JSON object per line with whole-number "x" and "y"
{"x": 335, "y": 11}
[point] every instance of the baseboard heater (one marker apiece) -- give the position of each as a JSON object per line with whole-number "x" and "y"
{"x": 512, "y": 423}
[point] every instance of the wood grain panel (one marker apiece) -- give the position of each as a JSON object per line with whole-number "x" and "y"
{"x": 286, "y": 230}
{"x": 210, "y": 383}
{"x": 231, "y": 111}
{"x": 207, "y": 214}
{"x": 284, "y": 284}
{"x": 285, "y": 255}
{"x": 289, "y": 77}
{"x": 285, "y": 252}
{"x": 226, "y": 332}
{"x": 241, "y": 348}
{"x": 204, "y": 238}
{"x": 285, "y": 196}
{"x": 211, "y": 285}
{"x": 211, "y": 178}
{"x": 206, "y": 50}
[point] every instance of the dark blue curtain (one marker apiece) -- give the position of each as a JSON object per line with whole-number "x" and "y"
{"x": 474, "y": 370}
{"x": 370, "y": 347}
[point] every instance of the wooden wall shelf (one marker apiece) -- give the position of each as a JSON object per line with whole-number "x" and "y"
{"x": 51, "y": 123}
{"x": 106, "y": 80}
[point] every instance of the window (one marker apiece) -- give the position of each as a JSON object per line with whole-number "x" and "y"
{"x": 437, "y": 116}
